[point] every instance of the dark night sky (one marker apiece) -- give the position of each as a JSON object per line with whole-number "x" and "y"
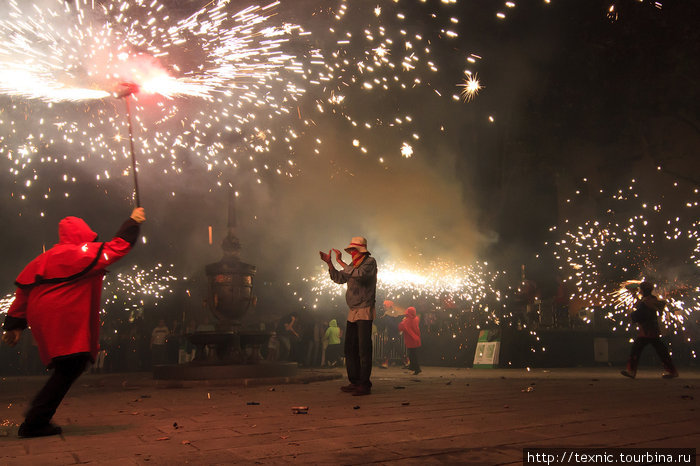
{"x": 574, "y": 94}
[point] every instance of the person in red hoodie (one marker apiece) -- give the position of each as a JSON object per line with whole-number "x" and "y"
{"x": 411, "y": 338}
{"x": 59, "y": 296}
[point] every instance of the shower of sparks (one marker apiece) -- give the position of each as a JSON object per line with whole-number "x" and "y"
{"x": 227, "y": 88}
{"x": 6, "y": 302}
{"x": 649, "y": 233}
{"x": 389, "y": 56}
{"x": 217, "y": 85}
{"x": 471, "y": 287}
{"x": 470, "y": 88}
{"x": 81, "y": 52}
{"x": 127, "y": 291}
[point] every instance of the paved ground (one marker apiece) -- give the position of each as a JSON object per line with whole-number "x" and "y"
{"x": 442, "y": 416}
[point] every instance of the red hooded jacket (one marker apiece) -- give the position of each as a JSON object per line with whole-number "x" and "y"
{"x": 410, "y": 329}
{"x": 59, "y": 293}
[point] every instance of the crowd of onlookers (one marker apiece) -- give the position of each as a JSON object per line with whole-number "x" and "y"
{"x": 307, "y": 338}
{"x": 138, "y": 344}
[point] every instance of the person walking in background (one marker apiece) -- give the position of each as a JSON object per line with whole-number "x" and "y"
{"x": 332, "y": 340}
{"x": 393, "y": 348}
{"x": 59, "y": 295}
{"x": 411, "y": 338}
{"x": 360, "y": 296}
{"x": 646, "y": 316}
{"x": 287, "y": 336}
{"x": 159, "y": 349}
{"x": 273, "y": 347}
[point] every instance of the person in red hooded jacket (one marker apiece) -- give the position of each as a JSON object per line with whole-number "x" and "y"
{"x": 59, "y": 296}
{"x": 411, "y": 338}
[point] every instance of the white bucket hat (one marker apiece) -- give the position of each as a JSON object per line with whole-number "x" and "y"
{"x": 359, "y": 243}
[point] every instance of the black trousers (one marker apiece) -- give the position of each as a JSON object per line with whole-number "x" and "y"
{"x": 413, "y": 359}
{"x": 333, "y": 353}
{"x": 661, "y": 350}
{"x": 67, "y": 369}
{"x": 358, "y": 352}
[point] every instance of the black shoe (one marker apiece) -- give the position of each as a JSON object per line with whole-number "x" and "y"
{"x": 670, "y": 375}
{"x": 350, "y": 388}
{"x": 631, "y": 375}
{"x": 361, "y": 391}
{"x": 417, "y": 371}
{"x": 43, "y": 431}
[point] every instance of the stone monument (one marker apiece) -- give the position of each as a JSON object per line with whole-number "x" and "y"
{"x": 232, "y": 350}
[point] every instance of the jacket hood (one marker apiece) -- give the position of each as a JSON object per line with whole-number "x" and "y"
{"x": 333, "y": 323}
{"x": 74, "y": 230}
{"x": 411, "y": 311}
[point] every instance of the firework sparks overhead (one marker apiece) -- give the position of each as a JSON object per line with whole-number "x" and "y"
{"x": 212, "y": 84}
{"x": 640, "y": 235}
{"x": 133, "y": 289}
{"x": 470, "y": 88}
{"x": 228, "y": 88}
{"x": 79, "y": 51}
{"x": 225, "y": 87}
{"x": 394, "y": 55}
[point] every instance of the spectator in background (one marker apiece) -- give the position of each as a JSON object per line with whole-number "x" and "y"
{"x": 411, "y": 338}
{"x": 273, "y": 347}
{"x": 288, "y": 336}
{"x": 393, "y": 349}
{"x": 561, "y": 304}
{"x": 332, "y": 341}
{"x": 159, "y": 354}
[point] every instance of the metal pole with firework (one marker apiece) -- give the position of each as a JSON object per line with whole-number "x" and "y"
{"x": 125, "y": 91}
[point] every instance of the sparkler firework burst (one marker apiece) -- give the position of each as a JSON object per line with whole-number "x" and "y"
{"x": 212, "y": 84}
{"x": 454, "y": 301}
{"x": 389, "y": 57}
{"x": 6, "y": 302}
{"x": 227, "y": 88}
{"x": 441, "y": 284}
{"x": 641, "y": 235}
{"x": 127, "y": 291}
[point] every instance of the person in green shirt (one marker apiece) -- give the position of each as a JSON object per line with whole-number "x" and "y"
{"x": 332, "y": 340}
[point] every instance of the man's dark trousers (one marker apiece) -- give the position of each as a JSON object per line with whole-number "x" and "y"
{"x": 358, "y": 352}
{"x": 659, "y": 347}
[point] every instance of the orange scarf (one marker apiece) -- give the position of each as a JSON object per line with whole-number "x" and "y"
{"x": 357, "y": 257}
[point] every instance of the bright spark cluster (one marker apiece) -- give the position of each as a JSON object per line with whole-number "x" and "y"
{"x": 127, "y": 291}
{"x": 649, "y": 230}
{"x": 216, "y": 86}
{"x": 437, "y": 282}
{"x": 6, "y": 302}
{"x": 225, "y": 87}
{"x": 389, "y": 56}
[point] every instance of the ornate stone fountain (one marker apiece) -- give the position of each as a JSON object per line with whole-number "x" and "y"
{"x": 234, "y": 351}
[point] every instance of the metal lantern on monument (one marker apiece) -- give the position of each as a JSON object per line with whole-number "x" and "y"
{"x": 231, "y": 350}
{"x": 230, "y": 280}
